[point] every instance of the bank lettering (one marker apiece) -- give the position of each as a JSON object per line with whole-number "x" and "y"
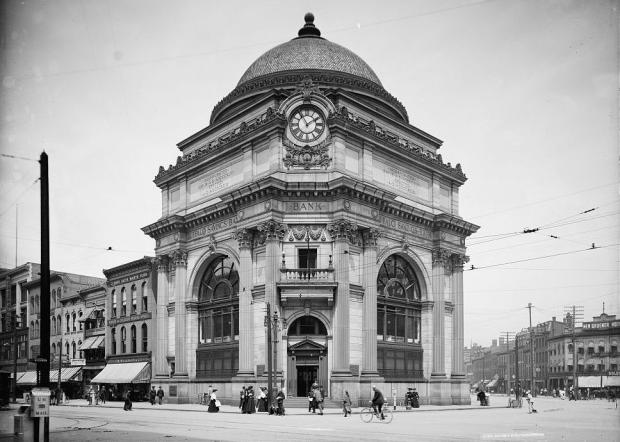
{"x": 306, "y": 207}
{"x": 209, "y": 229}
{"x": 401, "y": 226}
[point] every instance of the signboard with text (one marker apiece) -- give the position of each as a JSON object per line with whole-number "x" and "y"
{"x": 40, "y": 402}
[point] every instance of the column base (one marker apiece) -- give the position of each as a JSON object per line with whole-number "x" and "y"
{"x": 438, "y": 376}
{"x": 341, "y": 373}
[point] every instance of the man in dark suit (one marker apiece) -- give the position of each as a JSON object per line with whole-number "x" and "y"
{"x": 378, "y": 401}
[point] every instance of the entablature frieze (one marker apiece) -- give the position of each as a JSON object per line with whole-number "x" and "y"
{"x": 113, "y": 322}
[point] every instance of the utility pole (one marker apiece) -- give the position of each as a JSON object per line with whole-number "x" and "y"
{"x": 43, "y": 361}
{"x": 532, "y": 385}
{"x": 517, "y": 386}
{"x": 577, "y": 310}
{"x": 269, "y": 356}
{"x": 15, "y": 346}
{"x": 508, "y": 334}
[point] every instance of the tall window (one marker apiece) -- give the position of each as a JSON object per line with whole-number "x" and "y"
{"x": 67, "y": 349}
{"x": 307, "y": 258}
{"x": 53, "y": 325}
{"x": 133, "y": 339}
{"x": 79, "y": 344}
{"x": 134, "y": 300}
{"x": 113, "y": 336}
{"x": 113, "y": 303}
{"x": 123, "y": 340}
{"x": 145, "y": 338}
{"x": 399, "y": 320}
{"x": 145, "y": 298}
{"x": 53, "y": 299}
{"x": 73, "y": 350}
{"x": 73, "y": 318}
{"x": 123, "y": 302}
{"x": 80, "y": 320}
{"x": 218, "y": 354}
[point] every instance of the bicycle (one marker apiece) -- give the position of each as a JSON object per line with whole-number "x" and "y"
{"x": 368, "y": 413}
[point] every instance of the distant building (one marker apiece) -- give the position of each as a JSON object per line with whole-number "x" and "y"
{"x": 93, "y": 320}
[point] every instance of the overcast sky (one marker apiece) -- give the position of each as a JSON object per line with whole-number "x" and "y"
{"x": 523, "y": 94}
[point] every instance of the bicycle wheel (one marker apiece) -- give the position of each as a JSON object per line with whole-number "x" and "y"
{"x": 366, "y": 414}
{"x": 387, "y": 415}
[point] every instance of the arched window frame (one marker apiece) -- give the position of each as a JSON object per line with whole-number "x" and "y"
{"x": 114, "y": 311}
{"x": 123, "y": 302}
{"x": 134, "y": 338}
{"x": 123, "y": 340}
{"x": 145, "y": 338}
{"x": 134, "y": 300}
{"x": 145, "y": 297}
{"x": 81, "y": 323}
{"x": 113, "y": 339}
{"x": 73, "y": 318}
{"x": 73, "y": 350}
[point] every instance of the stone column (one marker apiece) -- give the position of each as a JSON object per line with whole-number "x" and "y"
{"x": 341, "y": 231}
{"x": 180, "y": 262}
{"x": 272, "y": 233}
{"x": 440, "y": 264}
{"x": 161, "y": 324}
{"x": 244, "y": 238}
{"x": 458, "y": 333}
{"x": 369, "y": 330}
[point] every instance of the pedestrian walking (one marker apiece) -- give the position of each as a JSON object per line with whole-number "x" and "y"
{"x": 346, "y": 404}
{"x": 318, "y": 397}
{"x": 241, "y": 398}
{"x": 103, "y": 394}
{"x": 128, "y": 405}
{"x": 311, "y": 401}
{"x": 530, "y": 402}
{"x": 152, "y": 395}
{"x": 214, "y": 404}
{"x": 160, "y": 395}
{"x": 280, "y": 401}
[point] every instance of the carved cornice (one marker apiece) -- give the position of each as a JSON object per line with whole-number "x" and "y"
{"x": 371, "y": 237}
{"x": 271, "y": 229}
{"x": 306, "y": 157}
{"x": 454, "y": 224}
{"x": 344, "y": 230}
{"x": 180, "y": 258}
{"x": 238, "y": 134}
{"x": 441, "y": 257}
{"x": 412, "y": 149}
{"x": 244, "y": 238}
{"x": 319, "y": 77}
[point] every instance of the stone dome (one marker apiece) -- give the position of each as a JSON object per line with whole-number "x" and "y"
{"x": 309, "y": 51}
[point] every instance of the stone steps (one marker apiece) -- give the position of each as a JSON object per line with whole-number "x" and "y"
{"x": 302, "y": 402}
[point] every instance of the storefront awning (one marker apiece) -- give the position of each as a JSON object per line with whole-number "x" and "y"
{"x": 92, "y": 342}
{"x": 129, "y": 373}
{"x": 27, "y": 378}
{"x": 66, "y": 374}
{"x": 86, "y": 314}
{"x": 611, "y": 381}
{"x": 589, "y": 381}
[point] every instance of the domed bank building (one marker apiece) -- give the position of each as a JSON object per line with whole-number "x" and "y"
{"x": 311, "y": 194}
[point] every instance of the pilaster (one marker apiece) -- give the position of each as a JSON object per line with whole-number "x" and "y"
{"x": 180, "y": 263}
{"x": 458, "y": 332}
{"x": 244, "y": 239}
{"x": 440, "y": 267}
{"x": 161, "y": 324}
{"x": 369, "y": 330}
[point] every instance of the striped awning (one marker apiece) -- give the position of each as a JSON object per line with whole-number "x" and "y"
{"x": 92, "y": 342}
{"x": 128, "y": 373}
{"x": 27, "y": 378}
{"x": 86, "y": 314}
{"x": 66, "y": 374}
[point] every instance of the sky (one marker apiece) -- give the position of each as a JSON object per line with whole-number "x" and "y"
{"x": 524, "y": 94}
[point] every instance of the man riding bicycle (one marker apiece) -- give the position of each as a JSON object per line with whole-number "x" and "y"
{"x": 377, "y": 402}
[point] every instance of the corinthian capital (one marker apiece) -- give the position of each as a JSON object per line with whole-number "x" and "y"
{"x": 162, "y": 263}
{"x": 244, "y": 237}
{"x": 458, "y": 261}
{"x": 343, "y": 229}
{"x": 441, "y": 257}
{"x": 180, "y": 258}
{"x": 272, "y": 230}
{"x": 371, "y": 237}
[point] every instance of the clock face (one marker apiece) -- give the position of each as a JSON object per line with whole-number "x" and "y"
{"x": 306, "y": 124}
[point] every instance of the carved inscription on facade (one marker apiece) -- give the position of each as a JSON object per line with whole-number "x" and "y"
{"x": 400, "y": 226}
{"x": 305, "y": 206}
{"x": 211, "y": 183}
{"x": 402, "y": 180}
{"x": 212, "y": 228}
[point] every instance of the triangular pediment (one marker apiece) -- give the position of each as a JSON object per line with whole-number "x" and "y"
{"x": 307, "y": 345}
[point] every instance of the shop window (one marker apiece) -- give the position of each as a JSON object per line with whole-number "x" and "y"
{"x": 134, "y": 300}
{"x": 145, "y": 338}
{"x": 145, "y": 299}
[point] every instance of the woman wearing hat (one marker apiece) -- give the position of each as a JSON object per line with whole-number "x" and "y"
{"x": 214, "y": 404}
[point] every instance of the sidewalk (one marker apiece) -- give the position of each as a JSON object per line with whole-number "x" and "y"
{"x": 499, "y": 402}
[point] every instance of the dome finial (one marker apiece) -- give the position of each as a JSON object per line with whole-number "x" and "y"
{"x": 309, "y": 30}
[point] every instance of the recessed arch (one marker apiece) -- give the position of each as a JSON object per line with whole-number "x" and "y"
{"x": 416, "y": 263}
{"x": 320, "y": 316}
{"x": 203, "y": 262}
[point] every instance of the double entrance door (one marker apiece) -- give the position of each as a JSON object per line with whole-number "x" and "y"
{"x": 307, "y": 364}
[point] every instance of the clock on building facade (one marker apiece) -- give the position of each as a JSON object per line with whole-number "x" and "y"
{"x": 311, "y": 193}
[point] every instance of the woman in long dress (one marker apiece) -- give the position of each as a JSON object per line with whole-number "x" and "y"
{"x": 249, "y": 405}
{"x": 213, "y": 403}
{"x": 262, "y": 400}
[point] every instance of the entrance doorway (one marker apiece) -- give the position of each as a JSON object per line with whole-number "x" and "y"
{"x": 306, "y": 376}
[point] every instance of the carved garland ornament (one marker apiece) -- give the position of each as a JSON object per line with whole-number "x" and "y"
{"x": 306, "y": 233}
{"x": 307, "y": 157}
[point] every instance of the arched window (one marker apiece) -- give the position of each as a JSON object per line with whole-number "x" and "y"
{"x": 73, "y": 349}
{"x": 53, "y": 325}
{"x": 79, "y": 344}
{"x": 113, "y": 336}
{"x": 67, "y": 349}
{"x": 133, "y": 339}
{"x": 123, "y": 340}
{"x": 145, "y": 298}
{"x": 80, "y": 321}
{"x": 73, "y": 317}
{"x": 36, "y": 329}
{"x": 145, "y": 339}
{"x": 399, "y": 320}
{"x": 59, "y": 324}
{"x": 53, "y": 299}
{"x": 37, "y": 306}
{"x": 218, "y": 311}
{"x": 53, "y": 348}
{"x": 307, "y": 325}
{"x": 123, "y": 302}
{"x": 32, "y": 329}
{"x": 134, "y": 300}
{"x": 113, "y": 303}
{"x": 68, "y": 319}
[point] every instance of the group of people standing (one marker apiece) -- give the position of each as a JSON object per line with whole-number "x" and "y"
{"x": 316, "y": 396}
{"x": 412, "y": 398}
{"x": 251, "y": 402}
{"x": 156, "y": 395}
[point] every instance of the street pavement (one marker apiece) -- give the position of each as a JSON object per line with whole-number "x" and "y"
{"x": 556, "y": 420}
